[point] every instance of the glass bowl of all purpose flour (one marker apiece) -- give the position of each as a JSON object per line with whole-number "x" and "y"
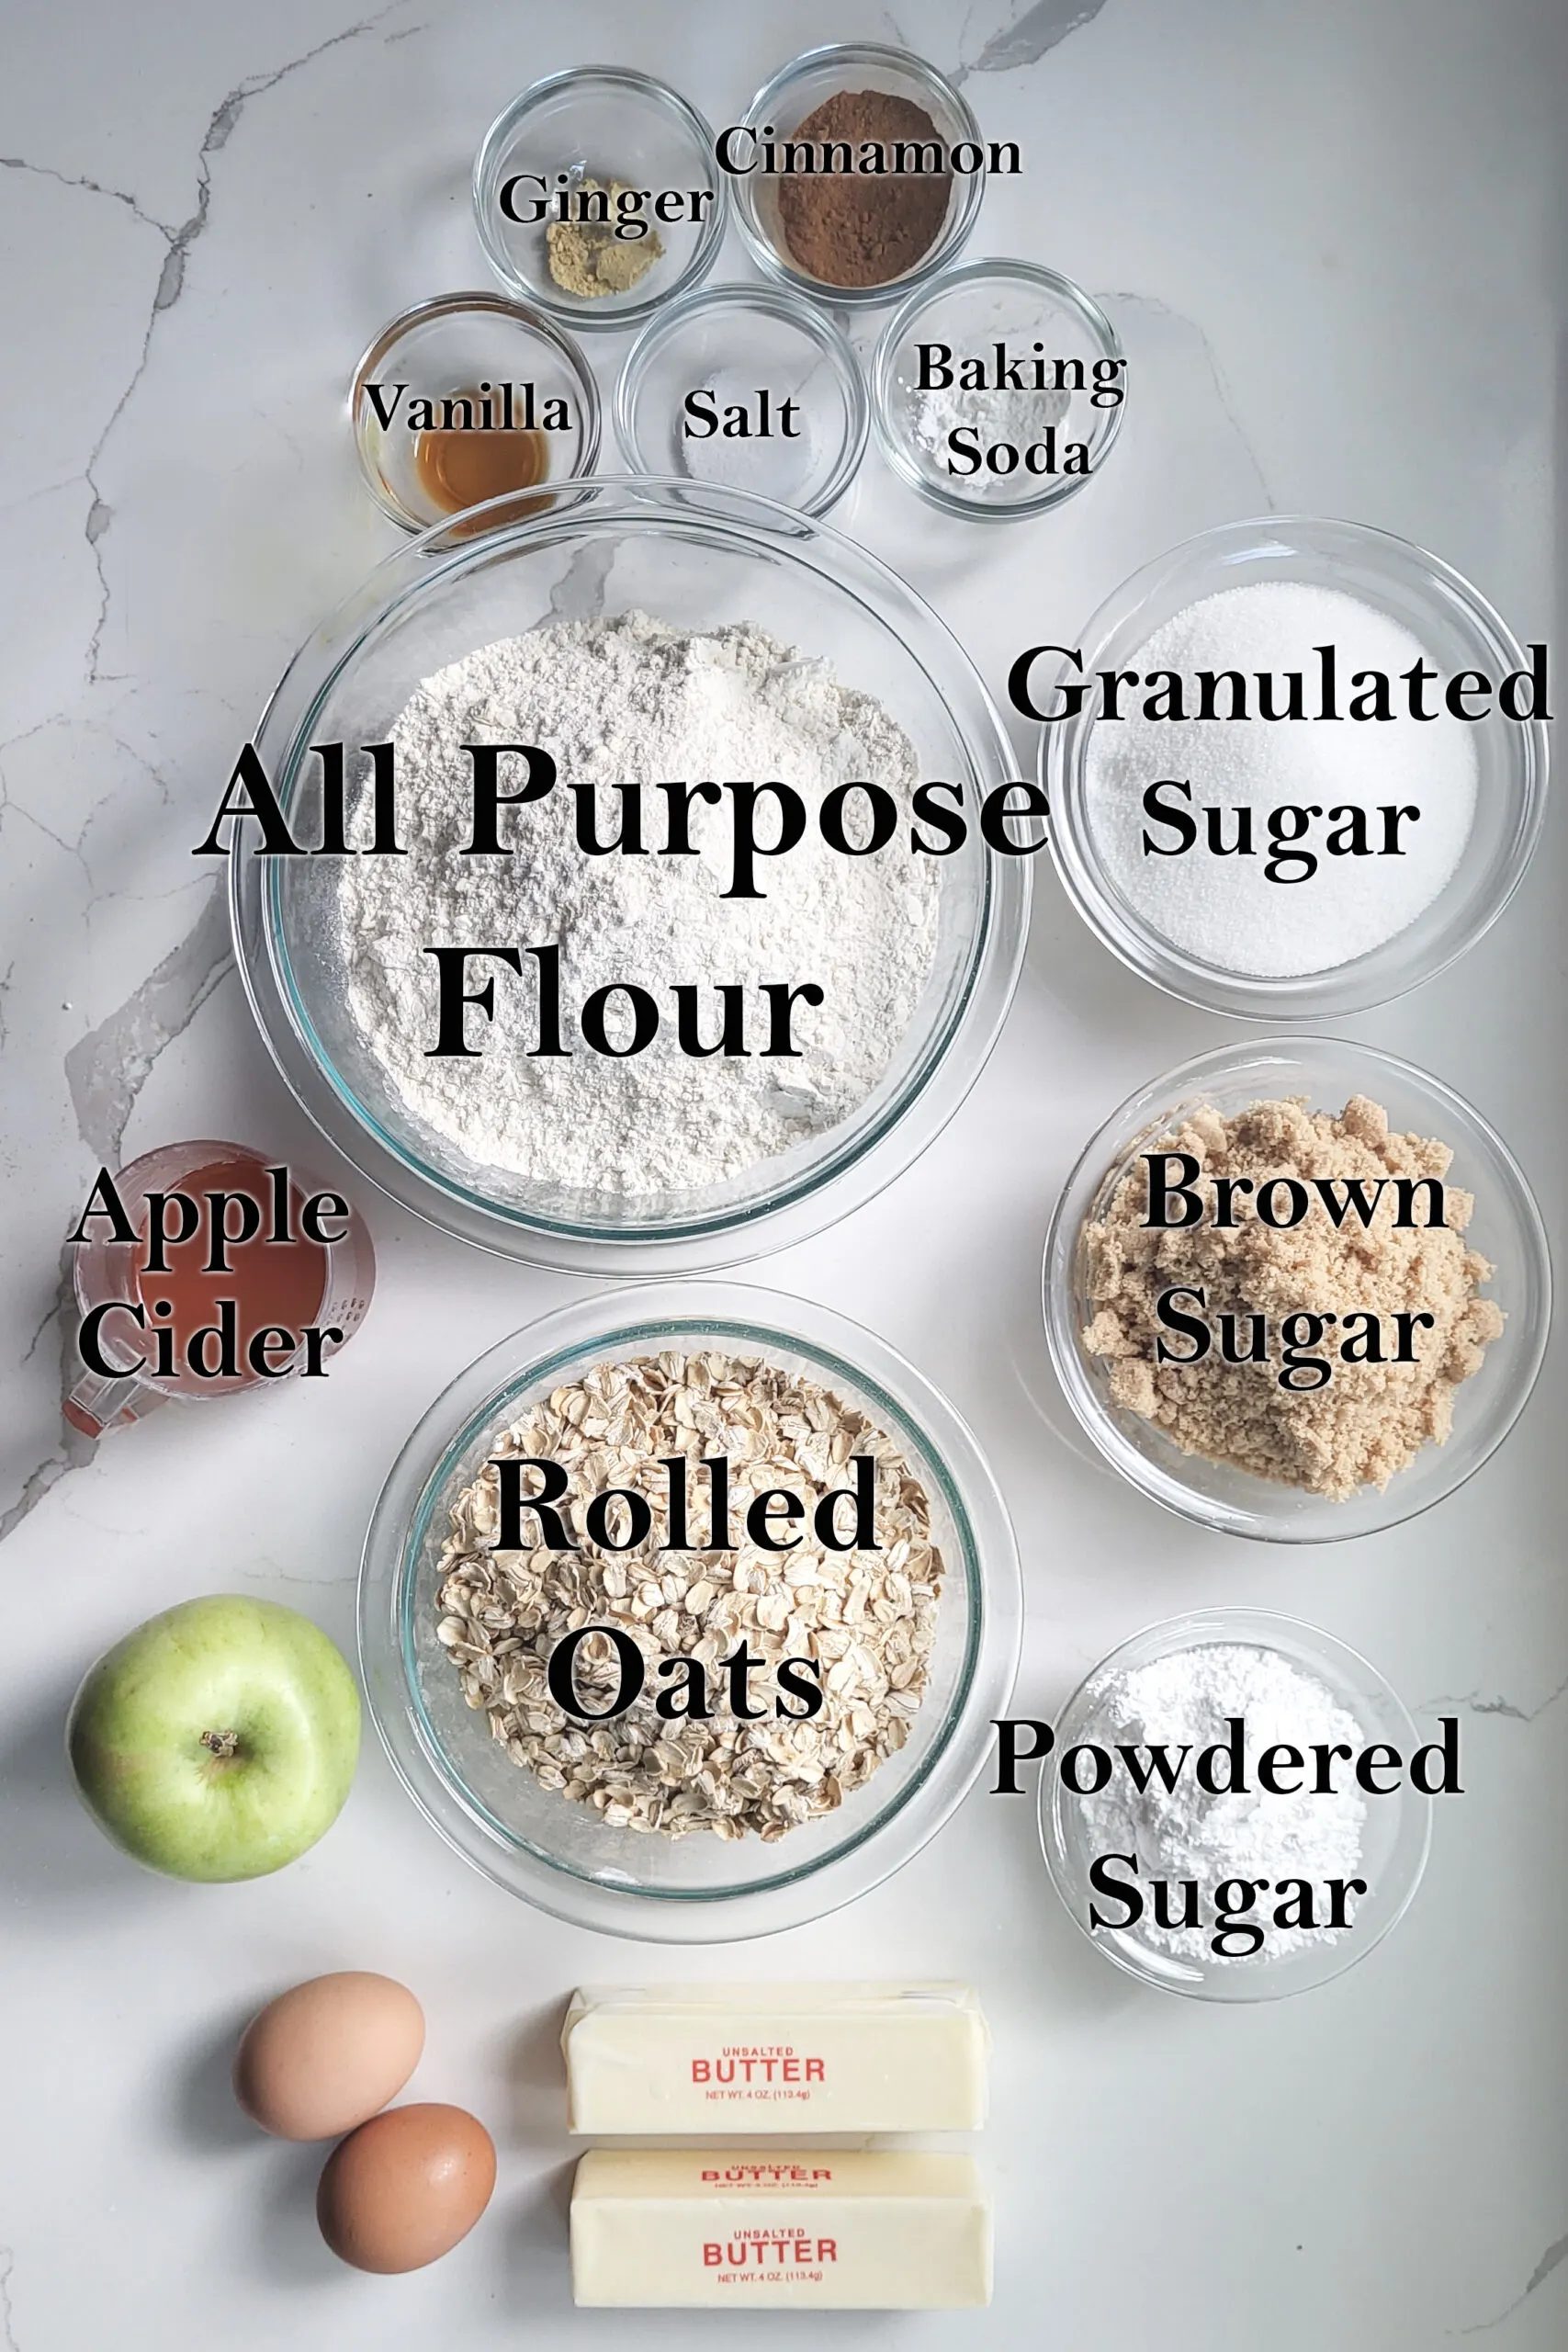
{"x": 1309, "y": 1827}
{"x": 550, "y": 1832}
{"x": 1226, "y": 1271}
{"x": 653, "y": 1068}
{"x": 1314, "y": 861}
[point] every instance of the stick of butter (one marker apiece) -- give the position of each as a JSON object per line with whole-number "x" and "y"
{"x": 710, "y": 2228}
{"x": 696, "y": 2059}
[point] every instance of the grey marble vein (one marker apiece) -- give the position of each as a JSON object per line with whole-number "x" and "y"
{"x": 91, "y": 187}
{"x": 1152, "y": 304}
{"x": 75, "y": 1447}
{"x": 1472, "y": 1702}
{"x": 44, "y": 1321}
{"x": 7, "y": 2264}
{"x": 1024, "y": 40}
{"x": 1029, "y": 37}
{"x": 106, "y": 1068}
{"x": 73, "y": 1451}
{"x": 578, "y": 593}
{"x": 1556, "y": 2253}
{"x": 170, "y": 281}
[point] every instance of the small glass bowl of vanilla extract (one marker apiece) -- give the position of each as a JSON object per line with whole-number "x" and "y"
{"x": 468, "y": 399}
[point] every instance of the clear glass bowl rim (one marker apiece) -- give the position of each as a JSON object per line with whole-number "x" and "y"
{"x": 639, "y": 1316}
{"x": 621, "y": 315}
{"x": 1103, "y": 1151}
{"x": 1254, "y": 1628}
{"x": 886, "y": 57}
{"x": 844, "y": 1179}
{"x": 440, "y": 306}
{"x": 1384, "y": 972}
{"x": 1006, "y": 267}
{"x": 778, "y": 302}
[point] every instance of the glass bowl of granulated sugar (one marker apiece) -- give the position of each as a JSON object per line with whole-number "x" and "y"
{"x": 635, "y": 942}
{"x": 1296, "y": 766}
{"x": 752, "y": 1486}
{"x": 1237, "y": 1805}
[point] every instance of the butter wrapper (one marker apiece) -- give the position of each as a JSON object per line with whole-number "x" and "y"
{"x": 707, "y": 2229}
{"x": 687, "y": 2060}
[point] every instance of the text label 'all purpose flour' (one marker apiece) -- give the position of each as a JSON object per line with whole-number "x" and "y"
{"x": 625, "y": 909}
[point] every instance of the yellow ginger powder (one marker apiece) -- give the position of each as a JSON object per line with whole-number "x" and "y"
{"x": 587, "y": 257}
{"x": 1367, "y": 1419}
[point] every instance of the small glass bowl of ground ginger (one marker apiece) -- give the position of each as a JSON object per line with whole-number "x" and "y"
{"x": 597, "y": 197}
{"x": 858, "y": 174}
{"x": 1297, "y": 1290}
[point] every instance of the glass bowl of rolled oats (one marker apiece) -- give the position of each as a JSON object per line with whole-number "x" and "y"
{"x": 686, "y": 1612}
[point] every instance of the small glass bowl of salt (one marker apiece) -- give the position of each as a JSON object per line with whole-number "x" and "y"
{"x": 748, "y": 387}
{"x": 1172, "y": 1874}
{"x": 1301, "y": 839}
{"x": 997, "y": 390}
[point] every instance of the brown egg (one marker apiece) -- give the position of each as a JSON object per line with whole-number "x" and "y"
{"x": 402, "y": 2189}
{"x": 328, "y": 2055}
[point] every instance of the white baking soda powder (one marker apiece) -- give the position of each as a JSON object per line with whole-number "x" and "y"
{"x": 1256, "y": 911}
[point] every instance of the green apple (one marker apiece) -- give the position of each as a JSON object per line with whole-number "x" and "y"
{"x": 219, "y": 1740}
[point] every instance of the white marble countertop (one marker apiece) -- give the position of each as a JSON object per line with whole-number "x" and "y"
{"x": 1332, "y": 239}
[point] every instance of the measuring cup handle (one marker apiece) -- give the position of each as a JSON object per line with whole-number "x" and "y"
{"x": 96, "y": 1404}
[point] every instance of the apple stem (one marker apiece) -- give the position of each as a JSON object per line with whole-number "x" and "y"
{"x": 223, "y": 1744}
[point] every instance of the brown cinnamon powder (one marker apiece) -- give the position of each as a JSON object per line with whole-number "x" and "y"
{"x": 857, "y": 228}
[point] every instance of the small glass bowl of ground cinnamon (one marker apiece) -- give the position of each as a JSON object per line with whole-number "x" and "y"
{"x": 857, "y": 173}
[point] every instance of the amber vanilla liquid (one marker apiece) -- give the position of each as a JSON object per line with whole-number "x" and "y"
{"x": 464, "y": 466}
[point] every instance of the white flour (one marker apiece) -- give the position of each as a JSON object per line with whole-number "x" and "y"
{"x": 633, "y": 700}
{"x": 1187, "y": 1699}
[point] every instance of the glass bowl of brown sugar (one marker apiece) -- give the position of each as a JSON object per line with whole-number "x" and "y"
{"x": 1297, "y": 1290}
{"x": 857, "y": 173}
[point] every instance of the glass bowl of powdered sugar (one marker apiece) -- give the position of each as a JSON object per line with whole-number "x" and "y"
{"x": 549, "y": 983}
{"x": 678, "y": 1808}
{"x": 1237, "y": 1805}
{"x": 1296, "y": 766}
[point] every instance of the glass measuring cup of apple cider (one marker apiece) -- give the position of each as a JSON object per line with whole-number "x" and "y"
{"x": 206, "y": 1268}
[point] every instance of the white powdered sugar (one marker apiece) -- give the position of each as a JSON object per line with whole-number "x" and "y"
{"x": 1187, "y": 1701}
{"x": 633, "y": 700}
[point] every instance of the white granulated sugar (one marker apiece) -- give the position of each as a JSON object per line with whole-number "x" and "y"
{"x": 1187, "y": 1699}
{"x": 1223, "y": 910}
{"x": 630, "y": 700}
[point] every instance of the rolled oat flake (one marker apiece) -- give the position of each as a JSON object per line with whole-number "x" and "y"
{"x": 859, "y": 1623}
